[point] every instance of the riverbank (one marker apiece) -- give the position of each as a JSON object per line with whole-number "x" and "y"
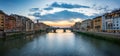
{"x": 17, "y": 34}
{"x": 103, "y": 36}
{"x": 21, "y": 36}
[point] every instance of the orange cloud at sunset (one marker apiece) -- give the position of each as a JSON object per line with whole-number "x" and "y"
{"x": 63, "y": 23}
{"x": 59, "y": 23}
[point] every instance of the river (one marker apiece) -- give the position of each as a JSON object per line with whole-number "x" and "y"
{"x": 57, "y": 44}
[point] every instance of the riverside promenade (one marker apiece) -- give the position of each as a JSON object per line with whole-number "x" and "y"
{"x": 112, "y": 37}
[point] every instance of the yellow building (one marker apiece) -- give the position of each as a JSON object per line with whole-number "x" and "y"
{"x": 97, "y": 24}
{"x": 2, "y": 18}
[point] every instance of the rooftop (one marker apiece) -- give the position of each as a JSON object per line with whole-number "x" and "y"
{"x": 1, "y": 12}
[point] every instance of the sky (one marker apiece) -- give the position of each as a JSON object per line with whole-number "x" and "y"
{"x": 62, "y": 13}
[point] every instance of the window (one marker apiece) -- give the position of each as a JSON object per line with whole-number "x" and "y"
{"x": 117, "y": 22}
{"x": 1, "y": 19}
{"x": 117, "y": 27}
{"x": 114, "y": 24}
{"x": 2, "y": 16}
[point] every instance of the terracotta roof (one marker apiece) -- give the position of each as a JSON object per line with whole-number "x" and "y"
{"x": 11, "y": 17}
{"x": 97, "y": 17}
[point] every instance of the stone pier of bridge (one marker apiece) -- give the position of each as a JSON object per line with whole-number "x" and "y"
{"x": 55, "y": 29}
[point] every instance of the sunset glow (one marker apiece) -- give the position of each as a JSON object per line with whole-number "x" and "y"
{"x": 59, "y": 23}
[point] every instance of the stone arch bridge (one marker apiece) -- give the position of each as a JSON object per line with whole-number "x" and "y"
{"x": 54, "y": 29}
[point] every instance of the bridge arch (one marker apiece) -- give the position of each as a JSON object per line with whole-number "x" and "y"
{"x": 55, "y": 29}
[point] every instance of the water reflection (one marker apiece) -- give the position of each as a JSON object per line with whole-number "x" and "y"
{"x": 57, "y": 44}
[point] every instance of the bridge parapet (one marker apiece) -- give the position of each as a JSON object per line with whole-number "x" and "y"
{"x": 54, "y": 29}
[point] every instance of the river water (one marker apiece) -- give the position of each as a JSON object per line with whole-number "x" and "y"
{"x": 57, "y": 44}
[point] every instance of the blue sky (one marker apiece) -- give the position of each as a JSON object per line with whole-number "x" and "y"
{"x": 62, "y": 10}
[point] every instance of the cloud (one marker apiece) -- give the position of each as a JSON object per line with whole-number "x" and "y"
{"x": 69, "y": 6}
{"x": 58, "y": 7}
{"x": 85, "y": 11}
{"x": 36, "y": 14}
{"x": 62, "y": 15}
{"x": 34, "y": 9}
{"x": 103, "y": 9}
{"x": 44, "y": 12}
{"x": 49, "y": 8}
{"x": 76, "y": 20}
{"x": 63, "y": 11}
{"x": 63, "y": 23}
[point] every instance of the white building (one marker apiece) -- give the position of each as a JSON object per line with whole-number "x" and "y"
{"x": 86, "y": 25}
{"x": 111, "y": 22}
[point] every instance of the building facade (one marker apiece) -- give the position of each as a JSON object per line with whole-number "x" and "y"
{"x": 97, "y": 24}
{"x": 43, "y": 26}
{"x": 29, "y": 25}
{"x": 18, "y": 22}
{"x": 40, "y": 26}
{"x": 10, "y": 24}
{"x": 111, "y": 22}
{"x": 86, "y": 25}
{"x": 2, "y": 20}
{"x": 76, "y": 26}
